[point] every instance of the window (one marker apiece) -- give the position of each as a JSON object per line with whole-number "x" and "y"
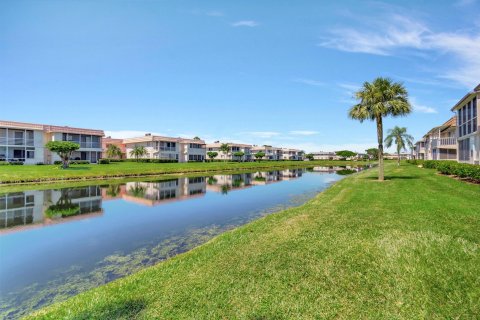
{"x": 467, "y": 119}
{"x": 195, "y": 146}
{"x": 30, "y": 154}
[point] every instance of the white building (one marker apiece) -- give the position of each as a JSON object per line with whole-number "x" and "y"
{"x": 25, "y": 142}
{"x": 324, "y": 155}
{"x": 271, "y": 153}
{"x": 468, "y": 127}
{"x": 234, "y": 148}
{"x": 291, "y": 154}
{"x": 167, "y": 148}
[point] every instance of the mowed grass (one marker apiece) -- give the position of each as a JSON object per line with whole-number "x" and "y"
{"x": 34, "y": 173}
{"x": 407, "y": 248}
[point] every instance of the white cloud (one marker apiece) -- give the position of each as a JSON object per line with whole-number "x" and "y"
{"x": 304, "y": 132}
{"x": 122, "y": 134}
{"x": 245, "y": 23}
{"x": 417, "y": 107}
{"x": 309, "y": 82}
{"x": 262, "y": 134}
{"x": 400, "y": 33}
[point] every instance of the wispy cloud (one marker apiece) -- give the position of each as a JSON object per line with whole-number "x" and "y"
{"x": 464, "y": 3}
{"x": 119, "y": 134}
{"x": 245, "y": 23}
{"x": 303, "y": 133}
{"x": 261, "y": 134}
{"x": 418, "y": 107}
{"x": 402, "y": 35}
{"x": 214, "y": 13}
{"x": 309, "y": 82}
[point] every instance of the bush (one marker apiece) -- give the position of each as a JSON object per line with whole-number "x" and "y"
{"x": 16, "y": 163}
{"x": 431, "y": 164}
{"x": 143, "y": 160}
{"x": 4, "y": 163}
{"x": 462, "y": 170}
{"x": 104, "y": 161}
{"x": 80, "y": 162}
{"x": 39, "y": 163}
{"x": 58, "y": 162}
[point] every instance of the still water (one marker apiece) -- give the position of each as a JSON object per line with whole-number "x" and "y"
{"x": 59, "y": 242}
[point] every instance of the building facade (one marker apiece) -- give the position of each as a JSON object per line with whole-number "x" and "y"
{"x": 234, "y": 148}
{"x": 271, "y": 153}
{"x": 468, "y": 127}
{"x": 167, "y": 148}
{"x": 420, "y": 149}
{"x": 292, "y": 154}
{"x": 440, "y": 143}
{"x": 322, "y": 155}
{"x": 107, "y": 141}
{"x": 25, "y": 142}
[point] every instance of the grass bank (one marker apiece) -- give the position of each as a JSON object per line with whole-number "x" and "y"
{"x": 46, "y": 173}
{"x": 405, "y": 248}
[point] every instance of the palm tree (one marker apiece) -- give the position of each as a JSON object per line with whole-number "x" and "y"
{"x": 225, "y": 148}
{"x": 138, "y": 152}
{"x": 378, "y": 99}
{"x": 402, "y": 140}
{"x": 113, "y": 151}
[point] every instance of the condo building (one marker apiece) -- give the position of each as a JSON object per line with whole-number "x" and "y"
{"x": 271, "y": 153}
{"x": 167, "y": 148}
{"x": 25, "y": 142}
{"x": 440, "y": 143}
{"x": 108, "y": 141}
{"x": 420, "y": 149}
{"x": 322, "y": 155}
{"x": 234, "y": 148}
{"x": 292, "y": 154}
{"x": 468, "y": 127}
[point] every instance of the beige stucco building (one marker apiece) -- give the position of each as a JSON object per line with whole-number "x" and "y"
{"x": 25, "y": 142}
{"x": 167, "y": 148}
{"x": 234, "y": 148}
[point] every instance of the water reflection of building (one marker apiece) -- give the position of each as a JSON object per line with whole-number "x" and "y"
{"x": 262, "y": 178}
{"x": 224, "y": 183}
{"x": 158, "y": 192}
{"x": 27, "y": 209}
{"x": 333, "y": 169}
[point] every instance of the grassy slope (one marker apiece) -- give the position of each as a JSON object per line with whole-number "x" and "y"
{"x": 31, "y": 173}
{"x": 405, "y": 248}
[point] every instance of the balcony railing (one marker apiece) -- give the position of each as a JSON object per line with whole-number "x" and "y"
{"x": 16, "y": 141}
{"x": 436, "y": 143}
{"x": 87, "y": 144}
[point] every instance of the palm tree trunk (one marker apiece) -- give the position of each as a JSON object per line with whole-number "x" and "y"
{"x": 398, "y": 154}
{"x": 380, "y": 148}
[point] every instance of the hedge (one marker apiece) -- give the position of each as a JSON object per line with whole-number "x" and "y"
{"x": 462, "y": 170}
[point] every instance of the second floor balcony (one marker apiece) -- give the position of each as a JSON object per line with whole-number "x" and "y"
{"x": 16, "y": 141}
{"x": 450, "y": 142}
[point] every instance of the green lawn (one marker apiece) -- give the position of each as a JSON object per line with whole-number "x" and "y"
{"x": 407, "y": 248}
{"x": 34, "y": 173}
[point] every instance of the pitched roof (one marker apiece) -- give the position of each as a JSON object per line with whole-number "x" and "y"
{"x": 469, "y": 95}
{"x": 49, "y": 128}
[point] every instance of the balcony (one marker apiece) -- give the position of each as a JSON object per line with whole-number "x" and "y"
{"x": 444, "y": 143}
{"x": 16, "y": 141}
{"x": 87, "y": 145}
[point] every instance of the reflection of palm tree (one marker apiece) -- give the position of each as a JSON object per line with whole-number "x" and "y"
{"x": 211, "y": 180}
{"x": 345, "y": 172}
{"x": 225, "y": 188}
{"x": 64, "y": 206}
{"x": 237, "y": 183}
{"x": 137, "y": 191}
{"x": 113, "y": 190}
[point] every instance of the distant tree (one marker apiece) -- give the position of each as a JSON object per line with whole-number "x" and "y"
{"x": 138, "y": 152}
{"x": 309, "y": 156}
{"x": 345, "y": 154}
{"x": 259, "y": 155}
{"x": 113, "y": 151}
{"x": 239, "y": 155}
{"x": 225, "y": 148}
{"x": 64, "y": 149}
{"x": 379, "y": 99}
{"x": 197, "y": 138}
{"x": 401, "y": 138}
{"x": 212, "y": 154}
{"x": 372, "y": 153}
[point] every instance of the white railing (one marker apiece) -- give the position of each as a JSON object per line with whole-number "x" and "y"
{"x": 16, "y": 141}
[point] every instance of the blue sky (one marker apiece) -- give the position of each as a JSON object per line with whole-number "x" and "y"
{"x": 260, "y": 72}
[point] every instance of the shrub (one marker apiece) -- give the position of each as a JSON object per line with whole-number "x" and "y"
{"x": 16, "y": 163}
{"x": 462, "y": 170}
{"x": 4, "y": 163}
{"x": 80, "y": 162}
{"x": 104, "y": 161}
{"x": 39, "y": 163}
{"x": 431, "y": 164}
{"x": 58, "y": 162}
